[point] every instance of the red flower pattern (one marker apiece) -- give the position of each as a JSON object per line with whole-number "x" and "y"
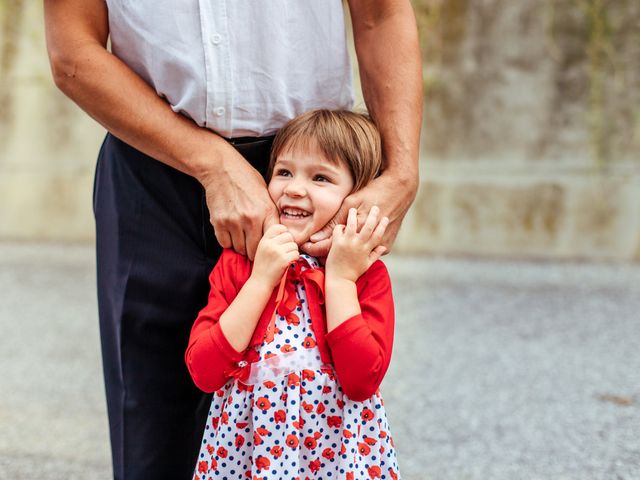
{"x": 310, "y": 443}
{"x": 292, "y": 441}
{"x": 293, "y": 319}
{"x": 374, "y": 471}
{"x": 367, "y": 414}
{"x": 334, "y": 421}
{"x": 328, "y": 453}
{"x": 293, "y": 380}
{"x": 262, "y": 462}
{"x": 279, "y": 416}
{"x": 222, "y": 452}
{"x": 314, "y": 465}
{"x": 272, "y": 407}
{"x": 263, "y": 403}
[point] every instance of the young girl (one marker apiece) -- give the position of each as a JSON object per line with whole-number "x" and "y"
{"x": 293, "y": 351}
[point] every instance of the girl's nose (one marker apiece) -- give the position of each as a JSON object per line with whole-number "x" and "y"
{"x": 295, "y": 188}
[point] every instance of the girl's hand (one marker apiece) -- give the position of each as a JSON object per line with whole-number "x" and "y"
{"x": 276, "y": 251}
{"x": 353, "y": 252}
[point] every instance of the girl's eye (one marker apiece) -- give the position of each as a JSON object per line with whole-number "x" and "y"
{"x": 321, "y": 178}
{"x": 283, "y": 172}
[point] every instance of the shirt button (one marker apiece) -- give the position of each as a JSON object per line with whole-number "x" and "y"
{"x": 242, "y": 363}
{"x": 216, "y": 38}
{"x": 220, "y": 111}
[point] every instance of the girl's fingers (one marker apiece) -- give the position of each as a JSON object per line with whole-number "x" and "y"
{"x": 292, "y": 256}
{"x": 370, "y": 223}
{"x": 378, "y": 233}
{"x": 290, "y": 247}
{"x": 376, "y": 253}
{"x": 283, "y": 237}
{"x": 352, "y": 222}
{"x": 275, "y": 230}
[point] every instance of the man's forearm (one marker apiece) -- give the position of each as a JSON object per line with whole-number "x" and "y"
{"x": 115, "y": 96}
{"x": 386, "y": 41}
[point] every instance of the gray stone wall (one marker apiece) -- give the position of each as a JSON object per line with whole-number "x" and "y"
{"x": 531, "y": 136}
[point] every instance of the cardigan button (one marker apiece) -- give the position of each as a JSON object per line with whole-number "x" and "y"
{"x": 242, "y": 363}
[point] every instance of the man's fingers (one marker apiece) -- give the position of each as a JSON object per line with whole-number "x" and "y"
{"x": 238, "y": 240}
{"x": 223, "y": 237}
{"x": 270, "y": 219}
{"x": 390, "y": 234}
{"x": 252, "y": 238}
{"x": 324, "y": 233}
{"x": 318, "y": 249}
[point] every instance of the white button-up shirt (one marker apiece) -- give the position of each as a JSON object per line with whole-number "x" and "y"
{"x": 238, "y": 67}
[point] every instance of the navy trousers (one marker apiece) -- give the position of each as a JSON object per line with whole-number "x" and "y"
{"x": 155, "y": 250}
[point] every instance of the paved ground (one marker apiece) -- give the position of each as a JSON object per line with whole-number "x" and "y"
{"x": 501, "y": 370}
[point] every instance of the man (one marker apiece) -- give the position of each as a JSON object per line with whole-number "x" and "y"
{"x": 191, "y": 96}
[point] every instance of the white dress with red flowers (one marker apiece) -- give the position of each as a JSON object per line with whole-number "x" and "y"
{"x": 292, "y": 421}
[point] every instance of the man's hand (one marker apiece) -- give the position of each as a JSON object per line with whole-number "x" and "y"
{"x": 240, "y": 208}
{"x": 390, "y": 193}
{"x": 275, "y": 252}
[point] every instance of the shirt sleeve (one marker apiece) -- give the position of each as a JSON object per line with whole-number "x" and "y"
{"x": 209, "y": 356}
{"x": 361, "y": 346}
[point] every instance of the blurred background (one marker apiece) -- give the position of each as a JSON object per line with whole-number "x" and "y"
{"x": 531, "y": 143}
{"x": 520, "y": 254}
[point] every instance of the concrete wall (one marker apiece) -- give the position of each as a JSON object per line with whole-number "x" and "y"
{"x": 532, "y": 129}
{"x": 48, "y": 146}
{"x": 530, "y": 144}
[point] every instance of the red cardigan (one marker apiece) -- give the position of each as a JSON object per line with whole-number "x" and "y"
{"x": 359, "y": 348}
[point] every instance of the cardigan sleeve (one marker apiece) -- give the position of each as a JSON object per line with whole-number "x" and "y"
{"x": 209, "y": 355}
{"x": 361, "y": 346}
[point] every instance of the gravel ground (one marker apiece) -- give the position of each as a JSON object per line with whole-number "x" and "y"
{"x": 501, "y": 369}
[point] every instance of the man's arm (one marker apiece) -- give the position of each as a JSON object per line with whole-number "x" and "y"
{"x": 115, "y": 96}
{"x": 386, "y": 41}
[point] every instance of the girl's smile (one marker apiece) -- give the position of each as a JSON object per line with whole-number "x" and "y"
{"x": 308, "y": 189}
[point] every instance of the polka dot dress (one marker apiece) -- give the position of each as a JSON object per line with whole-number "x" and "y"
{"x": 297, "y": 425}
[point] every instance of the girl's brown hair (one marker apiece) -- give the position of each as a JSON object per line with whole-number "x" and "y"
{"x": 341, "y": 135}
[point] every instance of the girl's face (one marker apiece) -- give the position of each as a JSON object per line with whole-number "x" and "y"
{"x": 308, "y": 189}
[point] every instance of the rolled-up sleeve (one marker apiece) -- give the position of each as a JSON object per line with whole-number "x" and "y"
{"x": 361, "y": 346}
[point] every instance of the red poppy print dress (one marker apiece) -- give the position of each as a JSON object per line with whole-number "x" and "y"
{"x": 291, "y": 419}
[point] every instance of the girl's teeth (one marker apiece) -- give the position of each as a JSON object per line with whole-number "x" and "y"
{"x": 290, "y": 213}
